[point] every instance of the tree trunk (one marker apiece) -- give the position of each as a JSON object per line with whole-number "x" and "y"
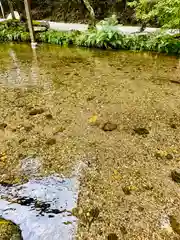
{"x": 124, "y": 4}
{"x": 91, "y": 12}
{"x": 11, "y": 8}
{"x": 29, "y": 19}
{"x": 2, "y": 9}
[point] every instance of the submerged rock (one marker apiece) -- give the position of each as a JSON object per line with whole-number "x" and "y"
{"x": 36, "y": 111}
{"x": 51, "y": 141}
{"x": 173, "y": 125}
{"x": 175, "y": 174}
{"x": 28, "y": 127}
{"x": 109, "y": 126}
{"x": 9, "y": 230}
{"x": 49, "y": 116}
{"x": 112, "y": 236}
{"x": 169, "y": 156}
{"x": 141, "y": 131}
{"x": 126, "y": 190}
{"x": 163, "y": 155}
{"x": 30, "y": 166}
{"x": 3, "y": 125}
{"x": 175, "y": 223}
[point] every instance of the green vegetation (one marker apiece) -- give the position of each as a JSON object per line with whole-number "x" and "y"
{"x": 8, "y": 230}
{"x": 166, "y": 12}
{"x": 105, "y": 38}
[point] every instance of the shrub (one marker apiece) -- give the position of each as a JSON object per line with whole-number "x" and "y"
{"x": 105, "y": 38}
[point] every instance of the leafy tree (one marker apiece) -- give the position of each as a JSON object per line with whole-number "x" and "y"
{"x": 165, "y": 12}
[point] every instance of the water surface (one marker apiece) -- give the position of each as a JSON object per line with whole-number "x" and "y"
{"x": 77, "y": 92}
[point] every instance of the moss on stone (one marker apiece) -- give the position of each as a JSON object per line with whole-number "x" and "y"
{"x": 9, "y": 230}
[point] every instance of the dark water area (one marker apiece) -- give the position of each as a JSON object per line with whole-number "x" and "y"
{"x": 116, "y": 112}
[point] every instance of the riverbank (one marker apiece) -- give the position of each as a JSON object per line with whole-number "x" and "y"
{"x": 105, "y": 37}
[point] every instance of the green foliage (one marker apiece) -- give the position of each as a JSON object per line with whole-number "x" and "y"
{"x": 7, "y": 35}
{"x": 55, "y": 37}
{"x": 12, "y": 25}
{"x": 111, "y": 21}
{"x": 104, "y": 38}
{"x": 111, "y": 39}
{"x": 166, "y": 12}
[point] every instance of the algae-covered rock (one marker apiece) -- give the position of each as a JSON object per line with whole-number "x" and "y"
{"x": 9, "y": 230}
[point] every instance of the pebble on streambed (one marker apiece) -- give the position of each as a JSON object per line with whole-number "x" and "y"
{"x": 36, "y": 111}
{"x": 141, "y": 131}
{"x": 109, "y": 126}
{"x": 175, "y": 174}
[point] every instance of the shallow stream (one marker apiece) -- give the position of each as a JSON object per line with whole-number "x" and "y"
{"x": 115, "y": 112}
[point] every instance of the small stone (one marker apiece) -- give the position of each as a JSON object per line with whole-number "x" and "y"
{"x": 36, "y": 111}
{"x": 3, "y": 125}
{"x": 30, "y": 166}
{"x": 94, "y": 213}
{"x": 140, "y": 208}
{"x": 175, "y": 174}
{"x": 112, "y": 236}
{"x": 51, "y": 141}
{"x": 173, "y": 125}
{"x": 50, "y": 216}
{"x": 90, "y": 98}
{"x": 175, "y": 223}
{"x": 123, "y": 230}
{"x": 28, "y": 127}
{"x": 21, "y": 140}
{"x": 169, "y": 156}
{"x": 109, "y": 126}
{"x": 126, "y": 190}
{"x": 49, "y": 116}
{"x": 141, "y": 131}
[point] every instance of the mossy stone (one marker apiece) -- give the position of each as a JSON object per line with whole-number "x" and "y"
{"x": 9, "y": 230}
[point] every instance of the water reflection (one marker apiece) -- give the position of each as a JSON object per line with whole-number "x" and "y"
{"x": 42, "y": 207}
{"x": 21, "y": 65}
{"x": 20, "y": 72}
